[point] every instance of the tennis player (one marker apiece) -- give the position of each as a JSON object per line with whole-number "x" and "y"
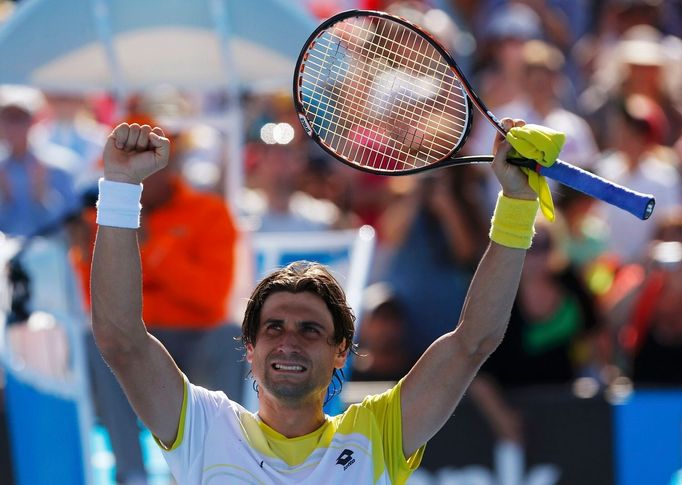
{"x": 297, "y": 331}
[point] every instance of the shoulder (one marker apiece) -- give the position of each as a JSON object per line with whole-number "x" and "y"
{"x": 373, "y": 406}
{"x": 213, "y": 399}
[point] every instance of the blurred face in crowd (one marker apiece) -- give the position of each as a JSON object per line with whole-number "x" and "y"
{"x": 65, "y": 107}
{"x": 668, "y": 324}
{"x": 382, "y": 336}
{"x": 280, "y": 168}
{"x": 538, "y": 256}
{"x": 510, "y": 54}
{"x": 15, "y": 124}
{"x": 540, "y": 82}
{"x": 294, "y": 354}
{"x": 642, "y": 79}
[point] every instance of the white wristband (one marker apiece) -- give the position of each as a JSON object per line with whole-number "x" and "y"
{"x": 119, "y": 204}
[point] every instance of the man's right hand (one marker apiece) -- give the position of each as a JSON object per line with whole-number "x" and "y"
{"x": 134, "y": 152}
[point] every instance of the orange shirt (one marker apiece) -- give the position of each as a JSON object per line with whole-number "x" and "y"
{"x": 187, "y": 248}
{"x": 187, "y": 261}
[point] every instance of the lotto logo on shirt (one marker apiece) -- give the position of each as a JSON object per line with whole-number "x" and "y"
{"x": 345, "y": 459}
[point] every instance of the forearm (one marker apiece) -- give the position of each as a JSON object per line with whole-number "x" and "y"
{"x": 116, "y": 286}
{"x": 490, "y": 298}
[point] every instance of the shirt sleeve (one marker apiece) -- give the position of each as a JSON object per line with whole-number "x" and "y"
{"x": 386, "y": 408}
{"x": 199, "y": 406}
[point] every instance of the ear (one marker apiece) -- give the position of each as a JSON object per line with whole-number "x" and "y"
{"x": 341, "y": 355}
{"x": 249, "y": 353}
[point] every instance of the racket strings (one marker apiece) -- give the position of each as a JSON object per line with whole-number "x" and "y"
{"x": 374, "y": 113}
{"x": 368, "y": 54}
{"x": 312, "y": 84}
{"x": 387, "y": 54}
{"x": 364, "y": 82}
{"x": 405, "y": 111}
{"x": 362, "y": 78}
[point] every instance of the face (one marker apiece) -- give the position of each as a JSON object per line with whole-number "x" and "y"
{"x": 540, "y": 82}
{"x": 537, "y": 258}
{"x": 382, "y": 337}
{"x": 294, "y": 355}
{"x": 14, "y": 126}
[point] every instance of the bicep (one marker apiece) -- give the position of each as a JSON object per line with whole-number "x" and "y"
{"x": 153, "y": 384}
{"x": 433, "y": 388}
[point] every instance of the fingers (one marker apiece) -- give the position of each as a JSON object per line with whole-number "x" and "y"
{"x": 136, "y": 138}
{"x": 143, "y": 138}
{"x": 120, "y": 135}
{"x": 500, "y": 144}
{"x": 507, "y": 124}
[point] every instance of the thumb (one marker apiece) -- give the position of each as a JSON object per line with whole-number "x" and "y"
{"x": 161, "y": 146}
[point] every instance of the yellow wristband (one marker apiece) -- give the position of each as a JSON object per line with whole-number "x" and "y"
{"x": 512, "y": 222}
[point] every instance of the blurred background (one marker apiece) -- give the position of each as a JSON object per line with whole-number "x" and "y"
{"x": 586, "y": 387}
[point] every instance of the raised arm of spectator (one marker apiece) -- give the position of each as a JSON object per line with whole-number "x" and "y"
{"x": 147, "y": 373}
{"x": 435, "y": 385}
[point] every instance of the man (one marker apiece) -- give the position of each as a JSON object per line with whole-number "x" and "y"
{"x": 34, "y": 193}
{"x": 298, "y": 331}
{"x": 639, "y": 161}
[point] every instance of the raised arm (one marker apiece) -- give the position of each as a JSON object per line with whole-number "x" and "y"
{"x": 435, "y": 385}
{"x": 147, "y": 373}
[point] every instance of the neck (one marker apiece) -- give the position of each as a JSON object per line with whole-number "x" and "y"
{"x": 278, "y": 201}
{"x": 19, "y": 151}
{"x": 291, "y": 418}
{"x": 633, "y": 155}
{"x": 543, "y": 106}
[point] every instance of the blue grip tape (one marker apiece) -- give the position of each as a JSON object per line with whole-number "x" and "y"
{"x": 636, "y": 203}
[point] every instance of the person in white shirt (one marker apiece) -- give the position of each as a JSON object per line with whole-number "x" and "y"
{"x": 298, "y": 331}
{"x": 638, "y": 161}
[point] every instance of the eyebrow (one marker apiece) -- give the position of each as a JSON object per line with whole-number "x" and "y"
{"x": 302, "y": 323}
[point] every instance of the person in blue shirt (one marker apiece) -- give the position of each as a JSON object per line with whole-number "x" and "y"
{"x": 33, "y": 192}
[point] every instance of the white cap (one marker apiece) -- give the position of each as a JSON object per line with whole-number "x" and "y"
{"x": 24, "y": 98}
{"x": 641, "y": 46}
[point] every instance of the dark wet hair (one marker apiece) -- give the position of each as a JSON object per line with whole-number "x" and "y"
{"x": 299, "y": 277}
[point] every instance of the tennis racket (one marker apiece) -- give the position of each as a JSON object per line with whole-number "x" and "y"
{"x": 382, "y": 95}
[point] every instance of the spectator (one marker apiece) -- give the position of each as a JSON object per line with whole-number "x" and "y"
{"x": 636, "y": 162}
{"x": 274, "y": 203}
{"x": 34, "y": 193}
{"x": 651, "y": 336}
{"x": 382, "y": 338}
{"x": 434, "y": 235}
{"x": 543, "y": 80}
{"x": 640, "y": 63}
{"x": 187, "y": 283}
{"x": 71, "y": 125}
{"x": 502, "y": 76}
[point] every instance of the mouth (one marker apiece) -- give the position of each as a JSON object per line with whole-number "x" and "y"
{"x": 293, "y": 368}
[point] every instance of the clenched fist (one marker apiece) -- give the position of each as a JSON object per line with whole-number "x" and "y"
{"x": 134, "y": 152}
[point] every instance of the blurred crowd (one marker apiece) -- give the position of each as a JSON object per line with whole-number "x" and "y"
{"x": 600, "y": 301}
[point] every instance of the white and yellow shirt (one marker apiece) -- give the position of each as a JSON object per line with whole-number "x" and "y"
{"x": 220, "y": 442}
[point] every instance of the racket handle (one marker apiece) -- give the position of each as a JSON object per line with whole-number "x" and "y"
{"x": 641, "y": 205}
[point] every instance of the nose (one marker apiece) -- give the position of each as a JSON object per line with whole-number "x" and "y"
{"x": 289, "y": 340}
